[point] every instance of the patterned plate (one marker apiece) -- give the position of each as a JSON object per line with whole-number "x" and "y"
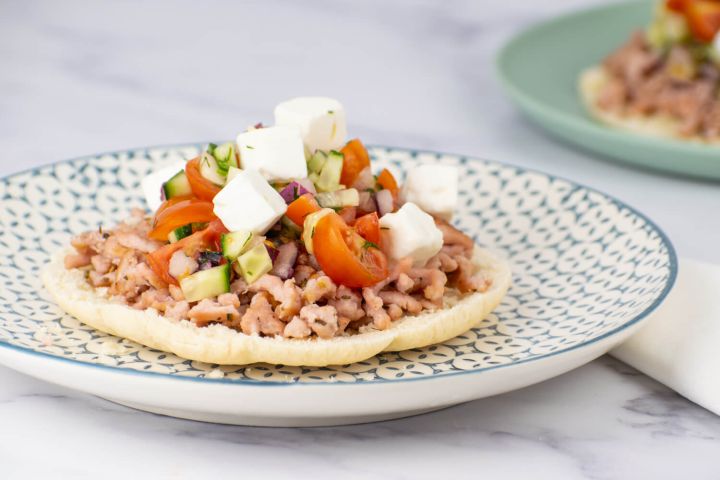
{"x": 587, "y": 269}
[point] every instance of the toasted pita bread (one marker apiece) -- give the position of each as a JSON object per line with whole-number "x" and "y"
{"x": 222, "y": 345}
{"x": 591, "y": 83}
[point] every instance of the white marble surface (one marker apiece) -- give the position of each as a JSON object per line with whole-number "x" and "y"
{"x": 83, "y": 77}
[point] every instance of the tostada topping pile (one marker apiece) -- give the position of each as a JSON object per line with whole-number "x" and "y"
{"x": 288, "y": 232}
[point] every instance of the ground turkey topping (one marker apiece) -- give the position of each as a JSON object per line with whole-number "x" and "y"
{"x": 674, "y": 83}
{"x": 307, "y": 304}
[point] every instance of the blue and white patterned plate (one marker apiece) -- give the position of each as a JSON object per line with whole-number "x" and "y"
{"x": 586, "y": 270}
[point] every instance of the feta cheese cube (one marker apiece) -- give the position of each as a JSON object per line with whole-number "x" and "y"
{"x": 410, "y": 232}
{"x": 276, "y": 152}
{"x": 248, "y": 202}
{"x": 321, "y": 121}
{"x": 434, "y": 188}
{"x": 152, "y": 184}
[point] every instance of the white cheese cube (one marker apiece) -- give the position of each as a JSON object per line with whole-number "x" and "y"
{"x": 434, "y": 188}
{"x": 276, "y": 152}
{"x": 410, "y": 232}
{"x": 321, "y": 121}
{"x": 152, "y": 184}
{"x": 248, "y": 202}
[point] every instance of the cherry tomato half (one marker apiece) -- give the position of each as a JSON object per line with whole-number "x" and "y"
{"x": 201, "y": 187}
{"x": 368, "y": 226}
{"x": 179, "y": 213}
{"x": 355, "y": 158}
{"x": 301, "y": 207}
{"x": 703, "y": 16}
{"x": 345, "y": 256}
{"x": 388, "y": 182}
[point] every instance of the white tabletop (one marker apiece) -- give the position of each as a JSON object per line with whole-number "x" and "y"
{"x": 83, "y": 77}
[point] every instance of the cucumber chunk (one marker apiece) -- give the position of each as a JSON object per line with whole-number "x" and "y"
{"x": 329, "y": 178}
{"x": 177, "y": 185}
{"x": 235, "y": 243}
{"x": 210, "y": 169}
{"x": 180, "y": 233}
{"x": 254, "y": 263}
{"x": 206, "y": 283}
{"x": 339, "y": 198}
{"x": 225, "y": 156}
{"x": 316, "y": 162}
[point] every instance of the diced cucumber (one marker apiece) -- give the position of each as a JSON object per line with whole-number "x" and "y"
{"x": 339, "y": 198}
{"x": 309, "y": 227}
{"x": 225, "y": 156}
{"x": 180, "y": 233}
{"x": 210, "y": 169}
{"x": 329, "y": 178}
{"x": 206, "y": 283}
{"x": 235, "y": 243}
{"x": 254, "y": 263}
{"x": 316, "y": 162}
{"x": 177, "y": 185}
{"x": 232, "y": 172}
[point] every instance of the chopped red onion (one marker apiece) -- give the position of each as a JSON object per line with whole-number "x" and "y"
{"x": 283, "y": 264}
{"x": 307, "y": 184}
{"x": 293, "y": 190}
{"x": 364, "y": 180}
{"x": 367, "y": 204}
{"x": 385, "y": 203}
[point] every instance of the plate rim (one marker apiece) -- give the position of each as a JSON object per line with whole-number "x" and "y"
{"x": 670, "y": 282}
{"x": 586, "y": 123}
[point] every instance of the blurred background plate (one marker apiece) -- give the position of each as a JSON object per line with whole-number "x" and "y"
{"x": 539, "y": 69}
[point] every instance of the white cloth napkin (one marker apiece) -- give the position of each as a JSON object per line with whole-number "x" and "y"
{"x": 679, "y": 345}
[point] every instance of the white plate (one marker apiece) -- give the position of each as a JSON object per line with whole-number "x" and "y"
{"x": 587, "y": 270}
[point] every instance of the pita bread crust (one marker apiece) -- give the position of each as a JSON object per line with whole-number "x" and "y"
{"x": 591, "y": 83}
{"x": 222, "y": 345}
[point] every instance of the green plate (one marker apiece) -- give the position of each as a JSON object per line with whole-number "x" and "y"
{"x": 539, "y": 70}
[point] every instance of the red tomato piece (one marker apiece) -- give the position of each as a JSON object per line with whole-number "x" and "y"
{"x": 201, "y": 187}
{"x": 355, "y": 159}
{"x": 345, "y": 256}
{"x": 368, "y": 226}
{"x": 301, "y": 207}
{"x": 388, "y": 182}
{"x": 177, "y": 214}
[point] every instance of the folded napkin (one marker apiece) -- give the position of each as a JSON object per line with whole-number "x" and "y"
{"x": 679, "y": 345}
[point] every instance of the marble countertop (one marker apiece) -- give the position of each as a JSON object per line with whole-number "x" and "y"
{"x": 82, "y": 77}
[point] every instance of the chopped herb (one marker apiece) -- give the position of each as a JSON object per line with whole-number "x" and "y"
{"x": 330, "y": 112}
{"x": 384, "y": 228}
{"x": 249, "y": 147}
{"x": 369, "y": 244}
{"x": 370, "y": 190}
{"x": 312, "y": 232}
{"x": 346, "y": 297}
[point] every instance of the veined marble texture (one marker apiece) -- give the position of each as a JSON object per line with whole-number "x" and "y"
{"x": 85, "y": 77}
